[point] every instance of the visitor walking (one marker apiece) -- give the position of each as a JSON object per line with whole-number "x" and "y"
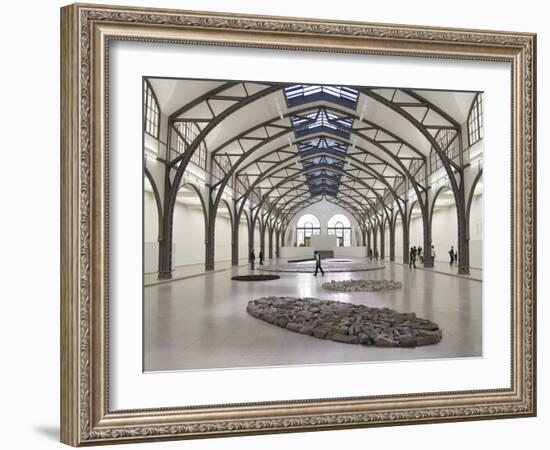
{"x": 261, "y": 255}
{"x": 452, "y": 255}
{"x": 318, "y": 267}
{"x": 419, "y": 254}
{"x": 252, "y": 259}
{"x": 412, "y": 258}
{"x": 432, "y": 254}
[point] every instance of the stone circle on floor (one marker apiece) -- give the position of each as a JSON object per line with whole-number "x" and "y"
{"x": 346, "y": 322}
{"x": 259, "y": 277}
{"x": 362, "y": 285}
{"x": 328, "y": 266}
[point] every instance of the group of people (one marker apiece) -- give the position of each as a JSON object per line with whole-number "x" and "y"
{"x": 252, "y": 259}
{"x": 416, "y": 252}
{"x": 316, "y": 255}
{"x": 371, "y": 254}
{"x": 453, "y": 255}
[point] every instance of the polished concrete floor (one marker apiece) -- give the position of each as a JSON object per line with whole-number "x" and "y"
{"x": 201, "y": 322}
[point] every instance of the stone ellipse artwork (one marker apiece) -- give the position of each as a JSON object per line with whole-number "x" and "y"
{"x": 362, "y": 285}
{"x": 255, "y": 277}
{"x": 346, "y": 322}
{"x": 329, "y": 266}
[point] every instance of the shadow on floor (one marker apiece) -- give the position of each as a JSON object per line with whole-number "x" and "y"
{"x": 49, "y": 431}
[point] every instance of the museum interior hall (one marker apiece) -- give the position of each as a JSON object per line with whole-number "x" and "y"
{"x": 249, "y": 187}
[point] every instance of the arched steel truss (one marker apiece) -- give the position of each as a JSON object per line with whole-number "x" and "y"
{"x": 374, "y": 215}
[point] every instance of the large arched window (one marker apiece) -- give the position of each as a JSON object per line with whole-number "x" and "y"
{"x": 307, "y": 226}
{"x": 475, "y": 121}
{"x": 185, "y": 134}
{"x": 447, "y": 140}
{"x": 340, "y": 226}
{"x": 151, "y": 111}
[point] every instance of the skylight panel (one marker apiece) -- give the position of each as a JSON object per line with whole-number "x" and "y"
{"x": 299, "y": 94}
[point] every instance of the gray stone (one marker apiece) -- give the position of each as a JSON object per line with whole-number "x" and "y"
{"x": 346, "y": 322}
{"x": 384, "y": 341}
{"x": 293, "y": 326}
{"x": 321, "y": 332}
{"x": 407, "y": 341}
{"x": 345, "y": 338}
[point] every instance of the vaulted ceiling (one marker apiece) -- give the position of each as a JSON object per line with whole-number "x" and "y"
{"x": 294, "y": 144}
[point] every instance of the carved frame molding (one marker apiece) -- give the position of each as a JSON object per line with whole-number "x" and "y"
{"x": 86, "y": 31}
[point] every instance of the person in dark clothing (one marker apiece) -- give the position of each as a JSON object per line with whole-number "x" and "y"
{"x": 412, "y": 257}
{"x": 370, "y": 253}
{"x": 452, "y": 255}
{"x": 376, "y": 255}
{"x": 252, "y": 259}
{"x": 318, "y": 267}
{"x": 261, "y": 255}
{"x": 419, "y": 254}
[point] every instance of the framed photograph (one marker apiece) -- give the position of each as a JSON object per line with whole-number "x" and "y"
{"x": 276, "y": 224}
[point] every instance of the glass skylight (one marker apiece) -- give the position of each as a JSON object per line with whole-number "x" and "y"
{"x": 299, "y": 94}
{"x": 321, "y": 120}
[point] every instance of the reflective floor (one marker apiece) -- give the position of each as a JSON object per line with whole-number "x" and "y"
{"x": 201, "y": 322}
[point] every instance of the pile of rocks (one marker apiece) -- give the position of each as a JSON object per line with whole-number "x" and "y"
{"x": 362, "y": 285}
{"x": 346, "y": 322}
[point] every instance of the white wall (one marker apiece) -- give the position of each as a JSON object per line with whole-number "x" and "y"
{"x": 222, "y": 240}
{"x": 387, "y": 242}
{"x": 398, "y": 239}
{"x": 416, "y": 232}
{"x": 350, "y": 252}
{"x": 323, "y": 211}
{"x": 257, "y": 240}
{"x": 476, "y": 232}
{"x": 150, "y": 218}
{"x": 243, "y": 240}
{"x": 189, "y": 235}
{"x": 150, "y": 233}
{"x": 323, "y": 241}
{"x": 445, "y": 233}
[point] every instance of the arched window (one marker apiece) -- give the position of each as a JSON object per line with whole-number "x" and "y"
{"x": 475, "y": 121}
{"x": 447, "y": 140}
{"x": 340, "y": 226}
{"x": 184, "y": 134}
{"x": 151, "y": 111}
{"x": 307, "y": 226}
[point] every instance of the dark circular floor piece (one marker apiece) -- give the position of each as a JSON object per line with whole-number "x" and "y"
{"x": 255, "y": 277}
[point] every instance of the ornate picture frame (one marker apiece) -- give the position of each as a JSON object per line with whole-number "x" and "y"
{"x": 86, "y": 33}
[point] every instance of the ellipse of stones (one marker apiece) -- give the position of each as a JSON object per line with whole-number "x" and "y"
{"x": 255, "y": 277}
{"x": 328, "y": 267}
{"x": 362, "y": 285}
{"x": 346, "y": 322}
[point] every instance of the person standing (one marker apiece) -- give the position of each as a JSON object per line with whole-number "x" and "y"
{"x": 432, "y": 255}
{"x": 370, "y": 253}
{"x": 252, "y": 259}
{"x": 412, "y": 257}
{"x": 452, "y": 255}
{"x": 261, "y": 255}
{"x": 376, "y": 255}
{"x": 318, "y": 267}
{"x": 419, "y": 254}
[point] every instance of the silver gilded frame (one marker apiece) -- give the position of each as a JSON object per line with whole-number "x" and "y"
{"x": 86, "y": 31}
